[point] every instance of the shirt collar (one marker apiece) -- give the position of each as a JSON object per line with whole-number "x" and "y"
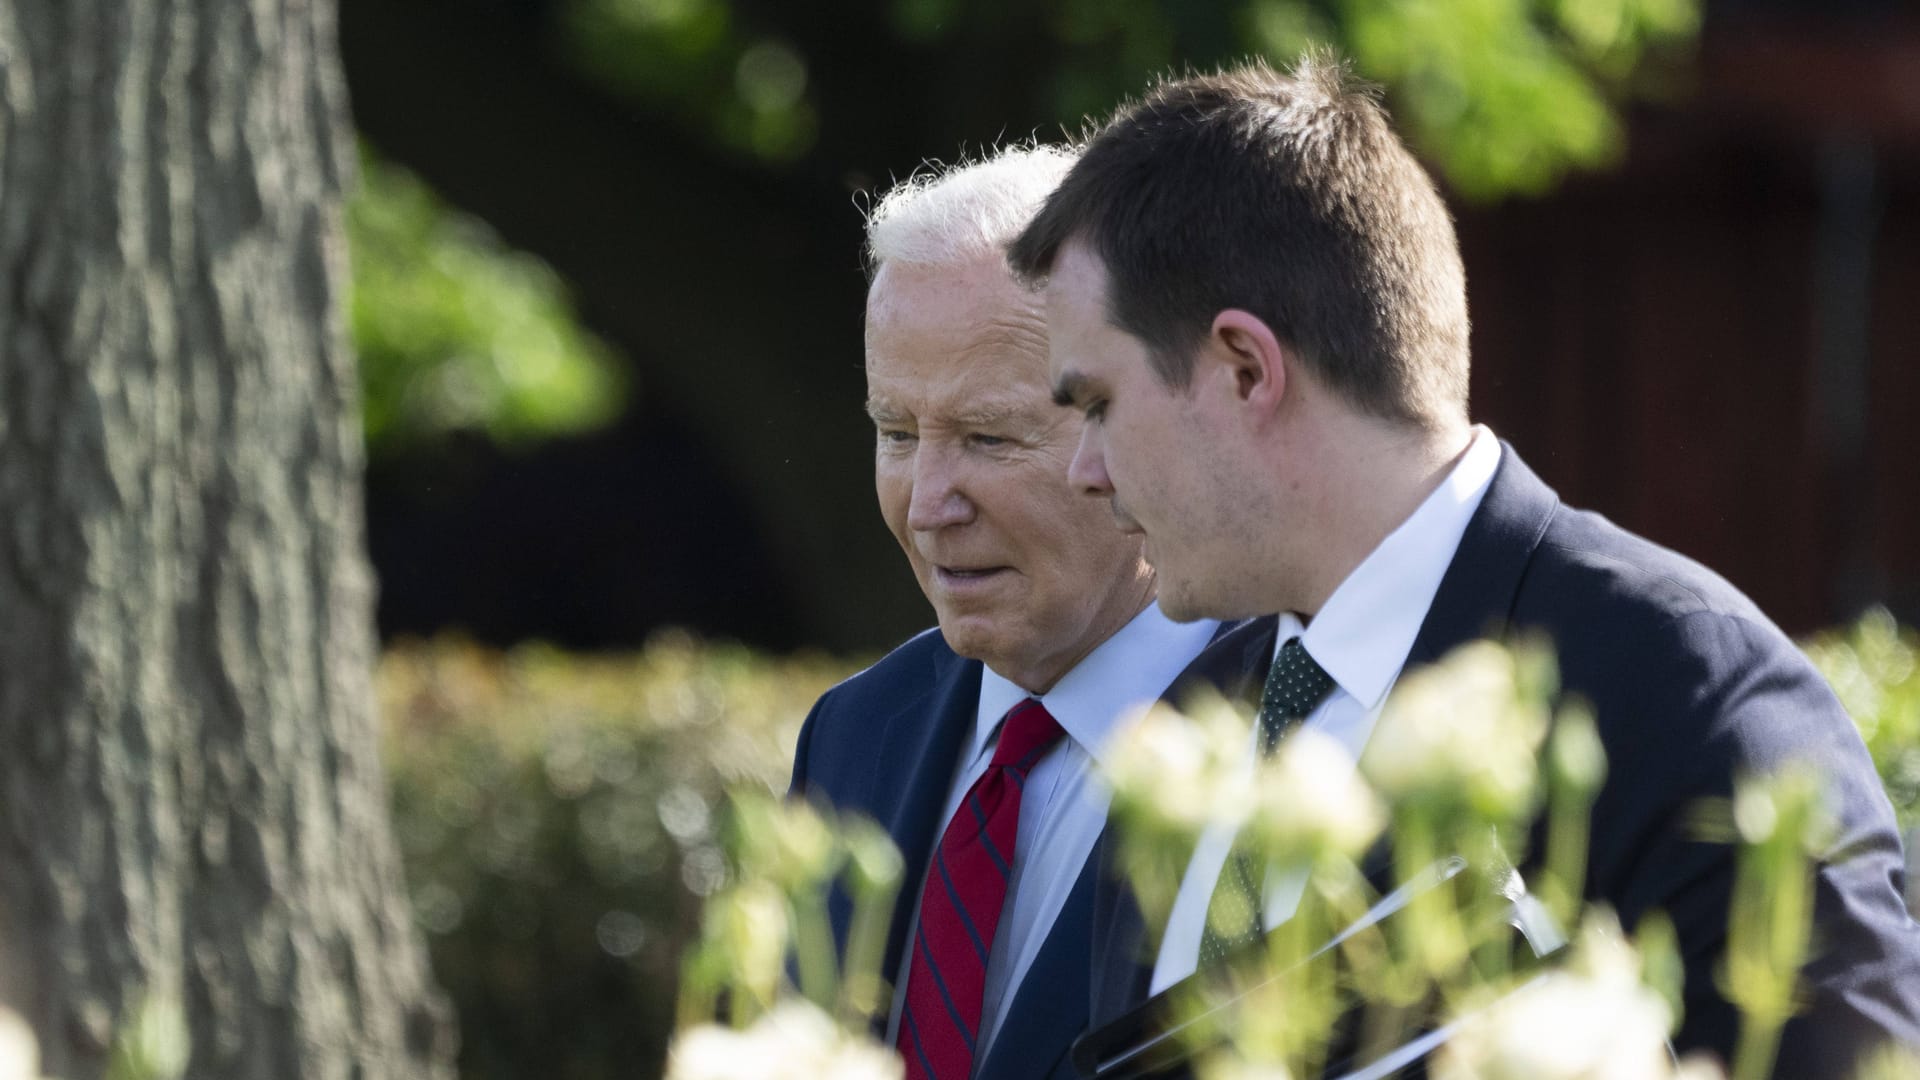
{"x": 1364, "y": 632}
{"x": 1131, "y": 668}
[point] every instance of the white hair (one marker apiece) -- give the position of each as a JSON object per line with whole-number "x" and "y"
{"x": 948, "y": 215}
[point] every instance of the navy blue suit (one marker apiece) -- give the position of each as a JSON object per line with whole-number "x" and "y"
{"x": 1691, "y": 684}
{"x": 886, "y": 743}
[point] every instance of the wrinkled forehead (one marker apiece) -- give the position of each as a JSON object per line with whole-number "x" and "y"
{"x": 993, "y": 382}
{"x": 958, "y": 341}
{"x": 975, "y": 298}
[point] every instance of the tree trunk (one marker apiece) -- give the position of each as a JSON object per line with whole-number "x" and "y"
{"x": 191, "y": 800}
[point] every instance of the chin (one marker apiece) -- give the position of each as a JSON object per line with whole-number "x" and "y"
{"x": 1176, "y": 608}
{"x": 1185, "y": 605}
{"x": 967, "y": 637}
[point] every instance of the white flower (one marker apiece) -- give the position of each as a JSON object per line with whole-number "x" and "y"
{"x": 713, "y": 1052}
{"x": 1563, "y": 1027}
{"x": 1182, "y": 771}
{"x": 1704, "y": 1067}
{"x": 793, "y": 1041}
{"x": 1462, "y": 728}
{"x": 1312, "y": 801}
{"x": 1593, "y": 1020}
{"x": 19, "y": 1053}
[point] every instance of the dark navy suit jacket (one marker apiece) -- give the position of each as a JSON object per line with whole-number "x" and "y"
{"x": 1691, "y": 686}
{"x": 886, "y": 743}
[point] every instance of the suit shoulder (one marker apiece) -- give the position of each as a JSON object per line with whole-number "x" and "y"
{"x": 1690, "y": 682}
{"x": 902, "y": 675}
{"x": 913, "y": 663}
{"x": 839, "y": 721}
{"x": 1652, "y": 636}
{"x": 1591, "y": 568}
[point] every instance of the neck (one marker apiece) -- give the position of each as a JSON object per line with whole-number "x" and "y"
{"x": 1362, "y": 478}
{"x": 1039, "y": 675}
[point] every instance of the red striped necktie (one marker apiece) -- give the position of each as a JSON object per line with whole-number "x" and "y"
{"x": 961, "y": 905}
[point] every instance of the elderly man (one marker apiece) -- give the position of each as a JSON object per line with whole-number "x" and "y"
{"x": 975, "y": 746}
{"x": 1255, "y": 297}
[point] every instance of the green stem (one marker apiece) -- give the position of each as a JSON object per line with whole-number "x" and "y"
{"x": 1759, "y": 1040}
{"x": 1567, "y": 829}
{"x": 861, "y": 983}
{"x": 813, "y": 948}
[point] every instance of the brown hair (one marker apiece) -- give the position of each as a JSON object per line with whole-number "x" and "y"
{"x": 1286, "y": 196}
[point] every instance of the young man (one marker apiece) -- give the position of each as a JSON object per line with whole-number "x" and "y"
{"x": 1255, "y": 297}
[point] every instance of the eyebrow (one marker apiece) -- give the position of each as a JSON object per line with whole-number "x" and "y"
{"x": 989, "y": 415}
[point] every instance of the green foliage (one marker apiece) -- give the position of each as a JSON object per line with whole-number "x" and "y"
{"x": 558, "y": 817}
{"x": 562, "y": 819}
{"x": 1503, "y": 96}
{"x": 1518, "y": 1006}
{"x": 456, "y": 331}
{"x": 1874, "y": 666}
{"x": 1507, "y": 95}
{"x": 692, "y": 60}
{"x": 784, "y": 856}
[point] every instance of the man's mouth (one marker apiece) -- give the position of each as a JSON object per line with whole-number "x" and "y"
{"x": 962, "y": 576}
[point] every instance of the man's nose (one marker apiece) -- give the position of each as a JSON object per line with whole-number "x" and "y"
{"x": 938, "y": 499}
{"x": 1087, "y": 472}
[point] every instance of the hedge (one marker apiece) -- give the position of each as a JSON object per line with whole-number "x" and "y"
{"x": 556, "y": 813}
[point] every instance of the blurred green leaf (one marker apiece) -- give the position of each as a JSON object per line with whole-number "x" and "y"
{"x": 458, "y": 332}
{"x": 1502, "y": 96}
{"x": 692, "y": 60}
{"x": 1874, "y": 667}
{"x": 559, "y": 817}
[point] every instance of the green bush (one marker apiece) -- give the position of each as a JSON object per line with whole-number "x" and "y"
{"x": 456, "y": 331}
{"x": 1874, "y": 665}
{"x": 556, "y": 816}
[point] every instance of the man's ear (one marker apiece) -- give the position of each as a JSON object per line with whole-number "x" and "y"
{"x": 1256, "y": 360}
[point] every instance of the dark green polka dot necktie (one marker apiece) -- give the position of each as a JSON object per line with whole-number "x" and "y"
{"x": 1296, "y": 685}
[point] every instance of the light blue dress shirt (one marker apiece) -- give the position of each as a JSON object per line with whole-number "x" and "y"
{"x": 1064, "y": 805}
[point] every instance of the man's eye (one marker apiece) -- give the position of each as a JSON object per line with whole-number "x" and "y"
{"x": 987, "y": 440}
{"x": 896, "y": 436}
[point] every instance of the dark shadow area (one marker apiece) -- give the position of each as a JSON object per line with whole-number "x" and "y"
{"x": 588, "y": 543}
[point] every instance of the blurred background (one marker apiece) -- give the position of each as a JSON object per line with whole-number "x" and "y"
{"x": 608, "y": 300}
{"x": 609, "y": 286}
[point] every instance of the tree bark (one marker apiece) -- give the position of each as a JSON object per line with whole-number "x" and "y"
{"x": 191, "y": 801}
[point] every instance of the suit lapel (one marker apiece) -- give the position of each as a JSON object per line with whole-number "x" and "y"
{"x": 916, "y": 754}
{"x": 1232, "y": 664}
{"x": 923, "y": 740}
{"x": 1477, "y": 594}
{"x": 1048, "y": 1005}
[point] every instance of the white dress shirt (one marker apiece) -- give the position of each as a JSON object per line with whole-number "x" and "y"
{"x": 1064, "y": 805}
{"x": 1361, "y": 637}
